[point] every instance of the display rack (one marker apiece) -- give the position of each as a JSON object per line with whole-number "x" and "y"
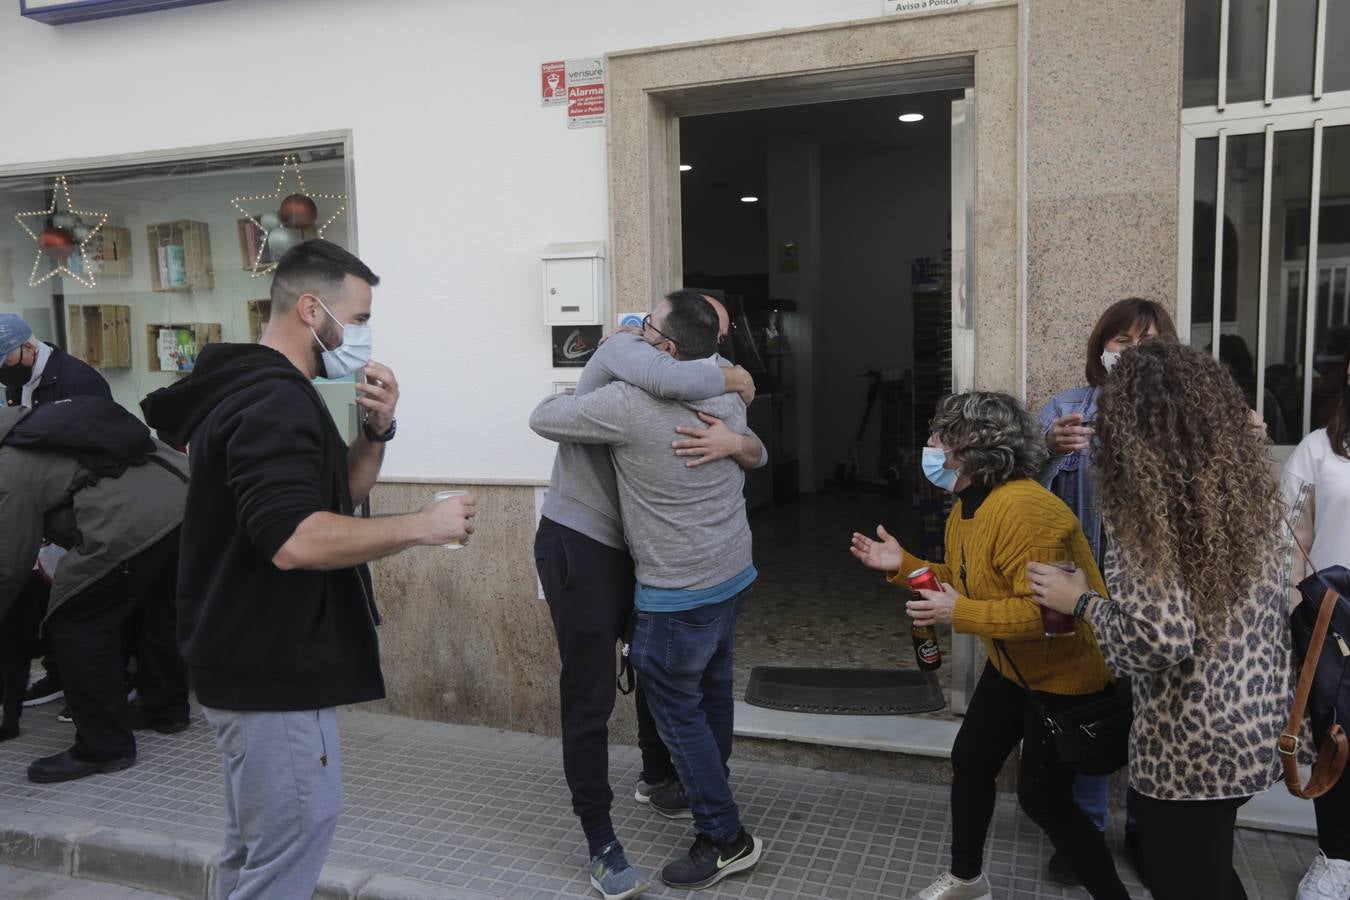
{"x": 100, "y": 334}
{"x": 174, "y": 346}
{"x": 180, "y": 256}
{"x": 108, "y": 252}
{"x": 259, "y": 311}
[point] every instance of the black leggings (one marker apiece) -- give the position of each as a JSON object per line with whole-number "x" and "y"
{"x": 999, "y": 716}
{"x": 1186, "y": 847}
{"x": 1333, "y": 818}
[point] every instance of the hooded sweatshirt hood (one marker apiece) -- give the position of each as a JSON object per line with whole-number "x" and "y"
{"x": 222, "y": 370}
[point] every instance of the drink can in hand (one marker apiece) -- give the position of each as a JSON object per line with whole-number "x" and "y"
{"x": 926, "y": 650}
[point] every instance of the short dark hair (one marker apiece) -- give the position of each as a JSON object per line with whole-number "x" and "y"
{"x": 314, "y": 267}
{"x": 691, "y": 324}
{"x": 1122, "y": 317}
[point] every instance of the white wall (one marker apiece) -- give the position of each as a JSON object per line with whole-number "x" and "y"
{"x": 461, "y": 176}
{"x": 880, "y": 209}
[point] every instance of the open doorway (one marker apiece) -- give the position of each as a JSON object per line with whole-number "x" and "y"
{"x": 827, "y": 229}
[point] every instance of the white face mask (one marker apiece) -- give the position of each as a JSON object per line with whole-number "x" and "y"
{"x": 1109, "y": 359}
{"x": 351, "y": 354}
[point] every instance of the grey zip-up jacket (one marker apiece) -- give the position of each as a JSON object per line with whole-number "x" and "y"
{"x": 106, "y": 524}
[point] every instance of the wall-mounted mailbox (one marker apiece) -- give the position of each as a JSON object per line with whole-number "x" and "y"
{"x": 574, "y": 283}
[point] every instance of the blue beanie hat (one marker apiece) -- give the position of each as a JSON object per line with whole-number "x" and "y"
{"x": 14, "y": 333}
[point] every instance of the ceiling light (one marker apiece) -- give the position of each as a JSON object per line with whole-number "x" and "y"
{"x": 911, "y": 117}
{"x": 749, "y": 199}
{"x": 685, "y": 167}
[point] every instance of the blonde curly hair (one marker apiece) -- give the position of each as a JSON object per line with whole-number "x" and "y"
{"x": 1185, "y": 483}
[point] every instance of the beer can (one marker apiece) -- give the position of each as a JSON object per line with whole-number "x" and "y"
{"x": 927, "y": 653}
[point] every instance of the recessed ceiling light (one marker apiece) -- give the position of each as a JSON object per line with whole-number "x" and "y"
{"x": 911, "y": 117}
{"x": 749, "y": 199}
{"x": 685, "y": 167}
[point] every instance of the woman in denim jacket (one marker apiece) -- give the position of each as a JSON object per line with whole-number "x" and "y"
{"x": 1066, "y": 423}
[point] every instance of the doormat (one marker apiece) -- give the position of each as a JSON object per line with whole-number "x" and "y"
{"x": 845, "y": 692}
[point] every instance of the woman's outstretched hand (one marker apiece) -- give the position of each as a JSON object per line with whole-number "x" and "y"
{"x": 884, "y": 554}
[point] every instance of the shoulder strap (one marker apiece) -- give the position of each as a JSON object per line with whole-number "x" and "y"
{"x": 1031, "y": 696}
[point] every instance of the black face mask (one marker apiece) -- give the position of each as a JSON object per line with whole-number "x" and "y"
{"x": 15, "y": 376}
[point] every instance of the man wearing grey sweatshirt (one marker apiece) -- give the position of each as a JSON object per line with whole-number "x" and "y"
{"x": 690, "y": 540}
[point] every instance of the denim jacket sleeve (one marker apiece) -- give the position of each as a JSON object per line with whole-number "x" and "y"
{"x": 1054, "y": 464}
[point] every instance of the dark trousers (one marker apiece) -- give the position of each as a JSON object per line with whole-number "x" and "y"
{"x": 18, "y": 643}
{"x": 1333, "y": 819}
{"x": 589, "y": 588}
{"x": 86, "y": 632}
{"x": 998, "y": 718}
{"x": 685, "y": 661}
{"x": 1186, "y": 847}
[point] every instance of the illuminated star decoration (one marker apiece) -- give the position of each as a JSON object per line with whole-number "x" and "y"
{"x": 291, "y": 161}
{"x": 61, "y": 189}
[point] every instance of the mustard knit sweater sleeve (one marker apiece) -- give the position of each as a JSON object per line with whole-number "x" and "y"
{"x": 1019, "y": 523}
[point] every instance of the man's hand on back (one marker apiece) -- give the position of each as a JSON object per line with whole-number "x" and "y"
{"x": 739, "y": 382}
{"x": 706, "y": 445}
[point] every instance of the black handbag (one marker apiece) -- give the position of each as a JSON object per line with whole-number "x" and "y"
{"x": 1093, "y": 737}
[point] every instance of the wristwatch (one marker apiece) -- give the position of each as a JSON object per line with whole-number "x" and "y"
{"x": 379, "y": 438}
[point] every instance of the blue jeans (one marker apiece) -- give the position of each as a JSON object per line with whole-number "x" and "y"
{"x": 684, "y": 662}
{"x": 1092, "y": 794}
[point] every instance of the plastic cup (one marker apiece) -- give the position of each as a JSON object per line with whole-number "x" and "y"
{"x": 446, "y": 495}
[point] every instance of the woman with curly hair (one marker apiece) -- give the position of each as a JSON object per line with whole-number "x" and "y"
{"x": 1194, "y": 608}
{"x": 1316, "y": 487}
{"x": 988, "y": 451}
{"x": 1067, "y": 423}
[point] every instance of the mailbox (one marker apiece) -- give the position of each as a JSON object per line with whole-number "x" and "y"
{"x": 574, "y": 283}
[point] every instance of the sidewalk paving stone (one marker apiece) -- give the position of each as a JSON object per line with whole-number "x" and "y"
{"x": 477, "y": 812}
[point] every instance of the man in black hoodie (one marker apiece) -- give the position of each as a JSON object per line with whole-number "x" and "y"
{"x": 276, "y": 614}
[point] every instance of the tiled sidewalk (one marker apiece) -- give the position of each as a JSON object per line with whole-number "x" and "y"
{"x": 487, "y": 811}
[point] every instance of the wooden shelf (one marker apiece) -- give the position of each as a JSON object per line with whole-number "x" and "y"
{"x": 252, "y": 239}
{"x": 185, "y": 264}
{"x": 259, "y": 311}
{"x": 100, "y": 334}
{"x": 189, "y": 339}
{"x": 109, "y": 252}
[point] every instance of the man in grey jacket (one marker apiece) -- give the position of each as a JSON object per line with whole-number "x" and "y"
{"x": 121, "y": 531}
{"x": 690, "y": 540}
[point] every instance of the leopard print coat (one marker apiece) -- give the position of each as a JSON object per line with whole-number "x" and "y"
{"x": 1209, "y": 702}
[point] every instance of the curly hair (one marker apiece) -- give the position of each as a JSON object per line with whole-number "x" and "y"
{"x": 1184, "y": 481}
{"x": 991, "y": 436}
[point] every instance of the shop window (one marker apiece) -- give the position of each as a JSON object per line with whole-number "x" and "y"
{"x": 135, "y": 267}
{"x": 1266, "y": 185}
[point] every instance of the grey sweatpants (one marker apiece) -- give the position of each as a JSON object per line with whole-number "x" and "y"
{"x": 283, "y": 793}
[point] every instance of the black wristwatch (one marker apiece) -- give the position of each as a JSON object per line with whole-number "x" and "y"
{"x": 379, "y": 438}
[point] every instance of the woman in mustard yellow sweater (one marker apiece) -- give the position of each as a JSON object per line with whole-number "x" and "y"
{"x": 988, "y": 451}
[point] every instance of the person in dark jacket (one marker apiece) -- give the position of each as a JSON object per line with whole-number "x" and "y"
{"x": 276, "y": 612}
{"x": 120, "y": 529}
{"x": 35, "y": 372}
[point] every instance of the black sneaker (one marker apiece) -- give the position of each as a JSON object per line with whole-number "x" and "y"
{"x": 671, "y": 801}
{"x": 1061, "y": 872}
{"x": 64, "y": 715}
{"x": 142, "y": 721}
{"x": 709, "y": 862}
{"x": 44, "y": 690}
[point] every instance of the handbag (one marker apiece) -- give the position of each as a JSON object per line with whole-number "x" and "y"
{"x": 1093, "y": 737}
{"x": 1320, "y": 631}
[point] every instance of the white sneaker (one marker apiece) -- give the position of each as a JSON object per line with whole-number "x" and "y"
{"x": 1327, "y": 879}
{"x": 949, "y": 887}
